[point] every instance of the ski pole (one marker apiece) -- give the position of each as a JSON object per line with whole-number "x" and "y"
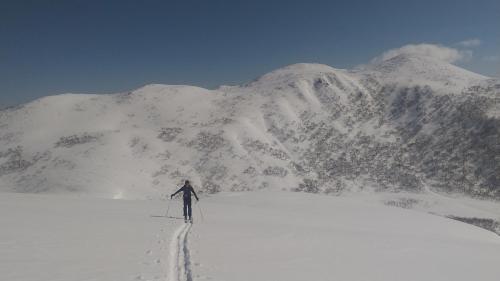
{"x": 168, "y": 208}
{"x": 199, "y": 209}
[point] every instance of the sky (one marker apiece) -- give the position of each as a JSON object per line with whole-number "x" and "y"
{"x": 53, "y": 47}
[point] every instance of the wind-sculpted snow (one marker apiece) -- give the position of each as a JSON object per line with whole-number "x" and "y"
{"x": 305, "y": 127}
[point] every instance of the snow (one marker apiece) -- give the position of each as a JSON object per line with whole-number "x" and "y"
{"x": 290, "y": 236}
{"x": 241, "y": 236}
{"x": 55, "y": 237}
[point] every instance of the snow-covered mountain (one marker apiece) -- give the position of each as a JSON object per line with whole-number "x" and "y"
{"x": 399, "y": 124}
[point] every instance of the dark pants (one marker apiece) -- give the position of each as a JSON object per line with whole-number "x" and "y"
{"x": 187, "y": 207}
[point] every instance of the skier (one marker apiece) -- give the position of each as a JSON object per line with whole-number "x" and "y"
{"x": 186, "y": 189}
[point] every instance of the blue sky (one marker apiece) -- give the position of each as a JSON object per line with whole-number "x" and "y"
{"x": 52, "y": 47}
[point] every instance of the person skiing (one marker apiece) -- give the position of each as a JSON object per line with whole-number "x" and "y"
{"x": 186, "y": 196}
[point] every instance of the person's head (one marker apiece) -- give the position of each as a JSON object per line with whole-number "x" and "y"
{"x": 186, "y": 182}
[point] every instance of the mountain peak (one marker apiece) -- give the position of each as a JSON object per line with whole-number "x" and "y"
{"x": 412, "y": 69}
{"x": 165, "y": 87}
{"x": 295, "y": 71}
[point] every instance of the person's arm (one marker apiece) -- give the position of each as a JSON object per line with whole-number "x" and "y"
{"x": 180, "y": 189}
{"x": 195, "y": 196}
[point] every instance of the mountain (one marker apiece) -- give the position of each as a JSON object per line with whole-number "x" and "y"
{"x": 401, "y": 124}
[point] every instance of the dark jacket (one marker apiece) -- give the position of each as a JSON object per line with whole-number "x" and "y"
{"x": 186, "y": 189}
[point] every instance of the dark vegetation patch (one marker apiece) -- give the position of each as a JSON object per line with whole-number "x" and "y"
{"x": 405, "y": 203}
{"x": 488, "y": 224}
{"x": 169, "y": 134}
{"x": 73, "y": 140}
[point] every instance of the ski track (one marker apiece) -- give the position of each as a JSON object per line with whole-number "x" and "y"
{"x": 180, "y": 257}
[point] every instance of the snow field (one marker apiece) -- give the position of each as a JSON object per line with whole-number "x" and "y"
{"x": 292, "y": 236}
{"x": 69, "y": 238}
{"x": 244, "y": 236}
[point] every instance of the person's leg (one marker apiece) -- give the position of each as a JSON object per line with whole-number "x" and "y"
{"x": 185, "y": 208}
{"x": 189, "y": 208}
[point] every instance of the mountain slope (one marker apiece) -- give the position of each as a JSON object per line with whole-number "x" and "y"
{"x": 393, "y": 125}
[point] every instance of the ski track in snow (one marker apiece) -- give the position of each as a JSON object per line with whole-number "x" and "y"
{"x": 180, "y": 258}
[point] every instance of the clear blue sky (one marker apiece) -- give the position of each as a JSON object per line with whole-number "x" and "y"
{"x": 51, "y": 47}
